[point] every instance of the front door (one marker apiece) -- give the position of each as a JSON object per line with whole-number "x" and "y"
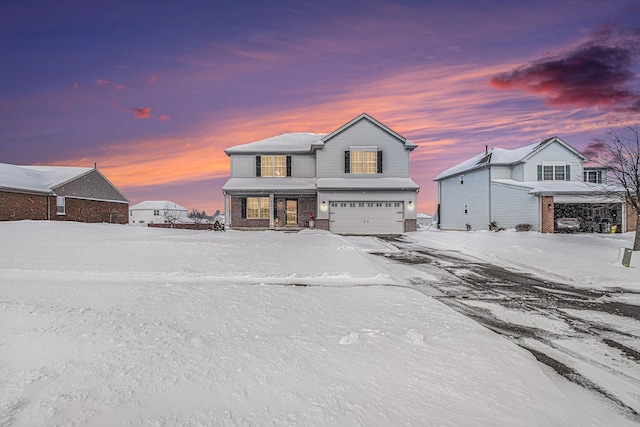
{"x": 292, "y": 212}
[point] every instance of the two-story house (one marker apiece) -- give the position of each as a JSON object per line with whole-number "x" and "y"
{"x": 354, "y": 180}
{"x": 534, "y": 185}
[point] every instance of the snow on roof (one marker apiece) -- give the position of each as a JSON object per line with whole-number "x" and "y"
{"x": 494, "y": 156}
{"x": 560, "y": 187}
{"x": 367, "y": 183}
{"x": 299, "y": 142}
{"x": 270, "y": 184}
{"x": 41, "y": 179}
{"x": 158, "y": 204}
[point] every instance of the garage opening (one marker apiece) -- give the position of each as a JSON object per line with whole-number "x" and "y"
{"x": 366, "y": 217}
{"x": 593, "y": 217}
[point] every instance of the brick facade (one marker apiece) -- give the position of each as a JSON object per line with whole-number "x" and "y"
{"x": 632, "y": 218}
{"x": 410, "y": 225}
{"x": 25, "y": 206}
{"x": 547, "y": 214}
{"x": 306, "y": 207}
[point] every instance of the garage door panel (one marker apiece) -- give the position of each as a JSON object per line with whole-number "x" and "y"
{"x": 366, "y": 217}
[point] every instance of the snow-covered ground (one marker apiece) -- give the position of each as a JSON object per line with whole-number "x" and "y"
{"x": 586, "y": 260}
{"x": 117, "y": 325}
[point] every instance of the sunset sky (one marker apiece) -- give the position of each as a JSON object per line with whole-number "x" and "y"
{"x": 154, "y": 91}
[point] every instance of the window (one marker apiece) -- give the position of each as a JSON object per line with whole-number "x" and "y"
{"x": 131, "y": 213}
{"x": 461, "y": 179}
{"x": 466, "y": 209}
{"x": 156, "y": 212}
{"x": 554, "y": 172}
{"x": 363, "y": 160}
{"x": 60, "y": 205}
{"x": 593, "y": 176}
{"x": 275, "y": 166}
{"x": 257, "y": 207}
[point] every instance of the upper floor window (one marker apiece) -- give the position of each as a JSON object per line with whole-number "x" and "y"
{"x": 60, "y": 205}
{"x": 363, "y": 160}
{"x": 593, "y": 176}
{"x": 461, "y": 179}
{"x": 273, "y": 166}
{"x": 554, "y": 172}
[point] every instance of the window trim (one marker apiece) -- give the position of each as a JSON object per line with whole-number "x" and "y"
{"x": 557, "y": 168}
{"x": 273, "y": 165}
{"x": 261, "y": 212}
{"x": 359, "y": 163}
{"x": 61, "y": 203}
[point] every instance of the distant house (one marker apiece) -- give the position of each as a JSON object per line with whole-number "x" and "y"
{"x": 156, "y": 212}
{"x": 534, "y": 185}
{"x": 354, "y": 180}
{"x": 59, "y": 193}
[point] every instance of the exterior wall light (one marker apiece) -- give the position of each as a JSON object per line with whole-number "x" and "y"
{"x": 410, "y": 204}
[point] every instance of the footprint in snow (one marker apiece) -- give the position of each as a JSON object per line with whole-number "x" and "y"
{"x": 415, "y": 336}
{"x": 351, "y": 338}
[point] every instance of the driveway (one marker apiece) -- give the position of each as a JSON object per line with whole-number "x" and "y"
{"x": 588, "y": 336}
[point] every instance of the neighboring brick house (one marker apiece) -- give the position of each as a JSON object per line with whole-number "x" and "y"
{"x": 354, "y": 180}
{"x": 59, "y": 193}
{"x": 534, "y": 185}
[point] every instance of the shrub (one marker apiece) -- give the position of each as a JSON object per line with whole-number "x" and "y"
{"x": 523, "y": 227}
{"x": 493, "y": 226}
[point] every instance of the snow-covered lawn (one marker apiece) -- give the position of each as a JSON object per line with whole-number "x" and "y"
{"x": 586, "y": 260}
{"x": 117, "y": 325}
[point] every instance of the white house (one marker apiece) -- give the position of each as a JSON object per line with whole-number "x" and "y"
{"x": 156, "y": 212}
{"x": 531, "y": 185}
{"x": 353, "y": 180}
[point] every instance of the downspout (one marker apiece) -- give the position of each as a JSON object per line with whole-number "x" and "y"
{"x": 490, "y": 214}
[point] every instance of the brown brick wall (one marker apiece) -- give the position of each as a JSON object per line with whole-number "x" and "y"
{"x": 632, "y": 218}
{"x": 547, "y": 214}
{"x": 81, "y": 210}
{"x": 306, "y": 207}
{"x": 322, "y": 224}
{"x": 21, "y": 206}
{"x": 410, "y": 225}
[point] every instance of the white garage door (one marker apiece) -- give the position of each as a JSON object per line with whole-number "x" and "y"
{"x": 366, "y": 217}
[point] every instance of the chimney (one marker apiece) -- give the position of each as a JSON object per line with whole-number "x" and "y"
{"x": 95, "y": 165}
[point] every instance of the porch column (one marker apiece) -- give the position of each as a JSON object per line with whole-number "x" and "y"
{"x": 271, "y": 219}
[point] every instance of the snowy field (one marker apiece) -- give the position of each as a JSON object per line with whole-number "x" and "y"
{"x": 117, "y": 325}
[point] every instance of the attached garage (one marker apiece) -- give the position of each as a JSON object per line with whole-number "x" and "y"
{"x": 594, "y": 217}
{"x": 366, "y": 217}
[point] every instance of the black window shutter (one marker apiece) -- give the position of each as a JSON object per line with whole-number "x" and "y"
{"x": 258, "y": 166}
{"x": 567, "y": 173}
{"x": 288, "y": 165}
{"x": 347, "y": 162}
{"x": 379, "y": 161}
{"x": 243, "y": 207}
{"x": 539, "y": 172}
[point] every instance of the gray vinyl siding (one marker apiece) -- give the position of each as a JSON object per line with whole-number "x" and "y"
{"x": 474, "y": 192}
{"x": 554, "y": 152}
{"x": 90, "y": 186}
{"x": 501, "y": 172}
{"x": 518, "y": 172}
{"x": 330, "y": 158}
{"x": 244, "y": 165}
{"x": 513, "y": 205}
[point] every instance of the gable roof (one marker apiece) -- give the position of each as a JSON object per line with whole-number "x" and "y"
{"x": 157, "y": 204}
{"x": 364, "y": 116}
{"x": 39, "y": 179}
{"x": 297, "y": 142}
{"x": 501, "y": 156}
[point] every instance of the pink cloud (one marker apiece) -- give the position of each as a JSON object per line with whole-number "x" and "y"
{"x": 164, "y": 117}
{"x": 141, "y": 113}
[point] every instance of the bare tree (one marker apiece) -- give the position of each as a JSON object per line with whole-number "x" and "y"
{"x": 621, "y": 158}
{"x": 197, "y": 216}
